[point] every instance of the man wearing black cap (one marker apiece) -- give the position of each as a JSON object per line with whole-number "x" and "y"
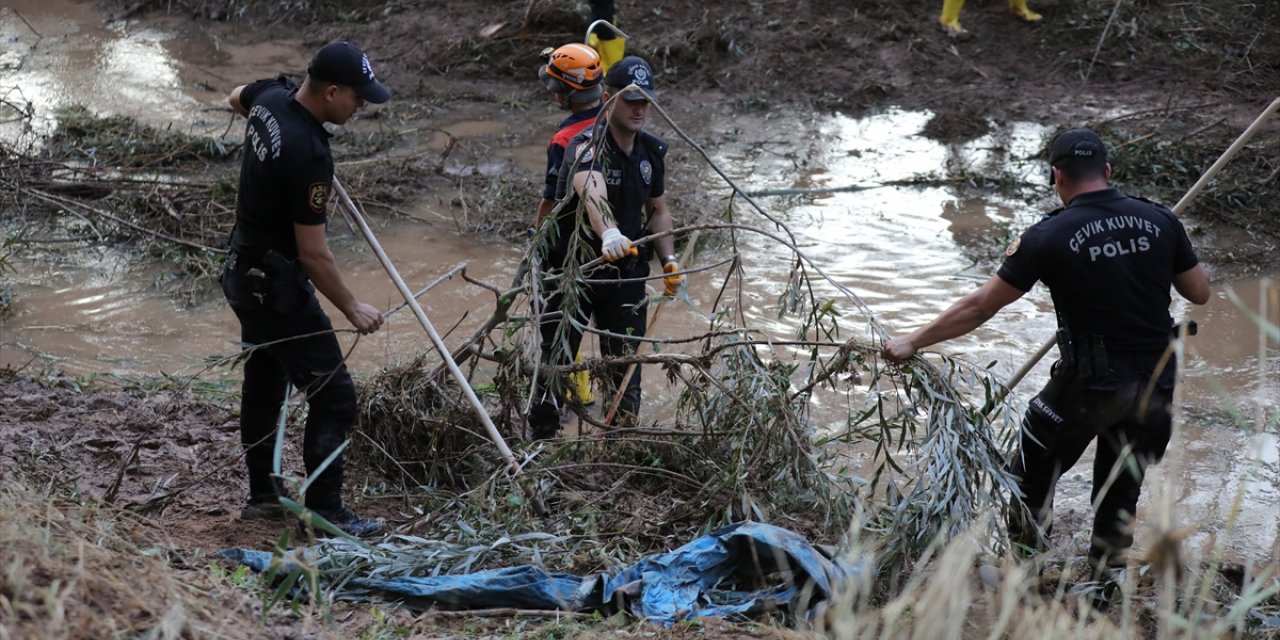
{"x": 278, "y": 258}
{"x": 1109, "y": 261}
{"x": 614, "y": 176}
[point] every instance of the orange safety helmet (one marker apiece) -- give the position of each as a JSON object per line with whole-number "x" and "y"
{"x": 576, "y": 65}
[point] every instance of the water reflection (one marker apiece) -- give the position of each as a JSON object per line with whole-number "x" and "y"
{"x": 1235, "y": 361}
{"x": 978, "y": 228}
{"x": 910, "y": 252}
{"x": 137, "y": 69}
{"x": 76, "y": 59}
{"x": 907, "y": 252}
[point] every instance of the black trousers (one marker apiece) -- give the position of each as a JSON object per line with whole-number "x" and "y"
{"x": 313, "y": 364}
{"x": 602, "y": 10}
{"x": 1132, "y": 432}
{"x": 619, "y": 308}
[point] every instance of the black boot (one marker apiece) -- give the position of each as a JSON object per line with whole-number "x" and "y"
{"x": 264, "y": 499}
{"x": 346, "y": 520}
{"x": 1105, "y": 588}
{"x": 544, "y": 421}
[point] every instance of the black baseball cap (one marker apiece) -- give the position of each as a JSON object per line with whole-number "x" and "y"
{"x": 1078, "y": 147}
{"x": 344, "y": 63}
{"x": 631, "y": 70}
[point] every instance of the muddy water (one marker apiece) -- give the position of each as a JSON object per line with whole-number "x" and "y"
{"x": 58, "y": 53}
{"x": 907, "y": 252}
{"x": 910, "y": 252}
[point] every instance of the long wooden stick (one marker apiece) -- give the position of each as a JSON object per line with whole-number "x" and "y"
{"x": 1227, "y": 155}
{"x": 1026, "y": 368}
{"x": 438, "y": 342}
{"x": 1195, "y": 190}
{"x": 631, "y": 369}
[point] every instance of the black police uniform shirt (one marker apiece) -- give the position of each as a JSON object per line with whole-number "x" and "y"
{"x": 1109, "y": 261}
{"x": 630, "y": 181}
{"x": 285, "y": 172}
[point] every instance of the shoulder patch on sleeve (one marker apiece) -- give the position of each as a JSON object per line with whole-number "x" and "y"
{"x": 1013, "y": 246}
{"x": 585, "y": 152}
{"x": 317, "y": 196}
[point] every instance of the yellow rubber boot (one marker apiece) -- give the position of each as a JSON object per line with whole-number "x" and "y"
{"x": 610, "y": 51}
{"x": 580, "y": 385}
{"x": 1020, "y": 9}
{"x": 950, "y": 19}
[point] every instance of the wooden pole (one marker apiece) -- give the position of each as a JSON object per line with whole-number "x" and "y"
{"x": 1226, "y": 157}
{"x": 438, "y": 342}
{"x": 631, "y": 369}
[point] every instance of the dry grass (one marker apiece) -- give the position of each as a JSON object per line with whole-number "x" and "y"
{"x": 74, "y": 570}
{"x": 961, "y": 594}
{"x": 418, "y": 431}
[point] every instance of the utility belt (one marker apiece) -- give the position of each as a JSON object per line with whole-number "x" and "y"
{"x": 273, "y": 280}
{"x": 1087, "y": 355}
{"x": 272, "y": 264}
{"x": 1084, "y": 355}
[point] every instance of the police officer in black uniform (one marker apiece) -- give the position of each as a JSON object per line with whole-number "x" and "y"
{"x": 1108, "y": 260}
{"x": 278, "y": 259}
{"x": 614, "y": 177}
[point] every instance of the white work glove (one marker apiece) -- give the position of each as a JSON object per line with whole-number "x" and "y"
{"x": 614, "y": 245}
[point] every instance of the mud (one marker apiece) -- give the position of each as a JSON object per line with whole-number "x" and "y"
{"x": 461, "y": 149}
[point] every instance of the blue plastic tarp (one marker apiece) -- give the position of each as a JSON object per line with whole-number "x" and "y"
{"x": 785, "y": 571}
{"x": 684, "y": 583}
{"x": 523, "y": 587}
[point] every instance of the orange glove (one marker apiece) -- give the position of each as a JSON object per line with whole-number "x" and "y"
{"x": 672, "y": 282}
